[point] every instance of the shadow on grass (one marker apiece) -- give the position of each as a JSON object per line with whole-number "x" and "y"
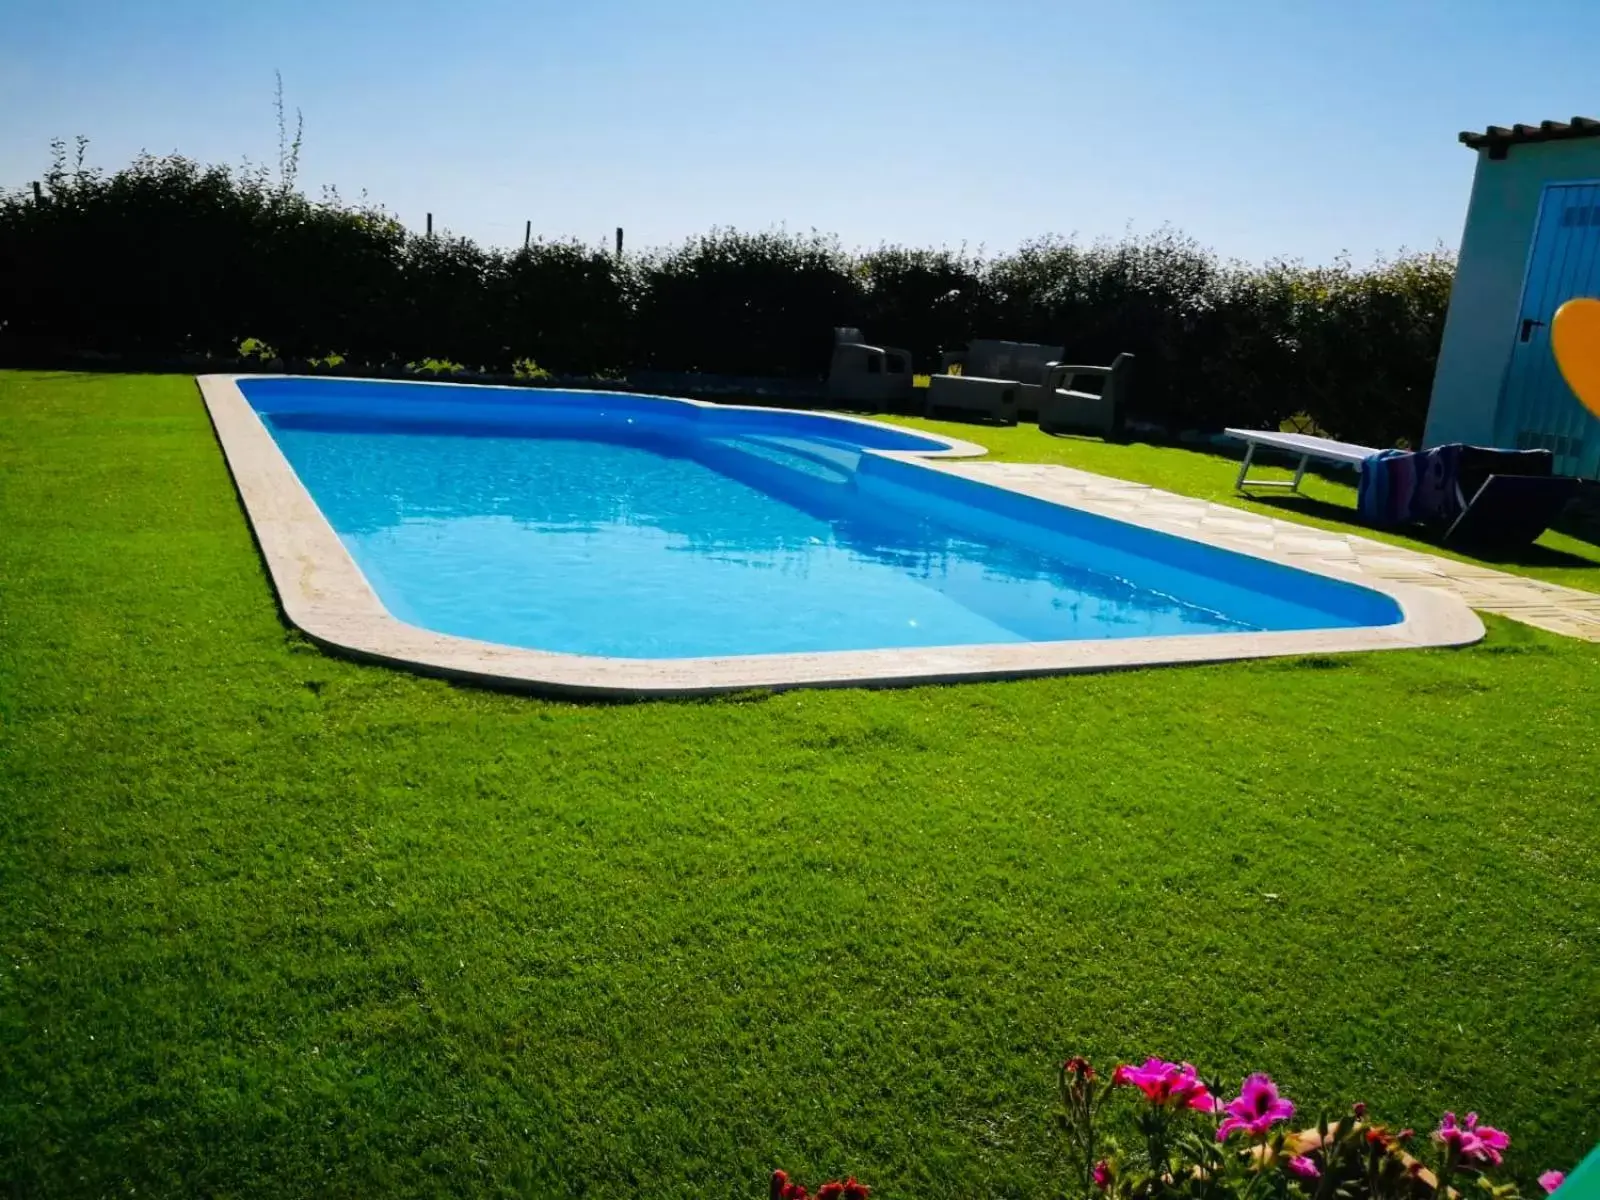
{"x": 1524, "y": 556}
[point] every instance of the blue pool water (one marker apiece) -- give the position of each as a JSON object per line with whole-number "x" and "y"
{"x": 648, "y": 528}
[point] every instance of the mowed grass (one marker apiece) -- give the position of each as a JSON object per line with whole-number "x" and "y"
{"x": 275, "y": 924}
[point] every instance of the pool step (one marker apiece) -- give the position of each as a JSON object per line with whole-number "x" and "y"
{"x": 813, "y": 477}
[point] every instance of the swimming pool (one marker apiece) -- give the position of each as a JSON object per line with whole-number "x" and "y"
{"x": 646, "y": 537}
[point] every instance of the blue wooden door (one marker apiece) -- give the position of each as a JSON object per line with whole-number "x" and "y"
{"x": 1537, "y": 408}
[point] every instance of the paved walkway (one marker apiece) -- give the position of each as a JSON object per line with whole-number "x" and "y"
{"x": 1548, "y": 606}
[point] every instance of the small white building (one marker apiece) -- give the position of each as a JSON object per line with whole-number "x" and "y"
{"x": 1531, "y": 242}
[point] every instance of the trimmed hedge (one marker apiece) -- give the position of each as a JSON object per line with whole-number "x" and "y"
{"x": 169, "y": 256}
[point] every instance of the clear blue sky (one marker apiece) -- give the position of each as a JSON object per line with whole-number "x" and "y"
{"x": 1261, "y": 127}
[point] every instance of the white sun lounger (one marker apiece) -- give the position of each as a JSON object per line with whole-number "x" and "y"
{"x": 1302, "y": 444}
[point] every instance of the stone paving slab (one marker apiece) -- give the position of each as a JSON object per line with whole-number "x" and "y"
{"x": 1548, "y": 606}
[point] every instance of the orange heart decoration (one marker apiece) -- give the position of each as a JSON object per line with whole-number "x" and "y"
{"x": 1575, "y": 338}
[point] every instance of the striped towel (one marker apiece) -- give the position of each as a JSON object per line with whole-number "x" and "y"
{"x": 1387, "y": 489}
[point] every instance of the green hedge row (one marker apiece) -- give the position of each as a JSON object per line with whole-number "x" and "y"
{"x": 170, "y": 256}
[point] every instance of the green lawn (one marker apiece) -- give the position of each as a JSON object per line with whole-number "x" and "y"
{"x": 274, "y": 924}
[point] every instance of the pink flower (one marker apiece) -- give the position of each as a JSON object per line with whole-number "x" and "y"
{"x": 1177, "y": 1084}
{"x": 1102, "y": 1175}
{"x": 1078, "y": 1066}
{"x": 850, "y": 1189}
{"x": 1256, "y": 1108}
{"x": 1303, "y": 1167}
{"x": 1551, "y": 1180}
{"x": 1475, "y": 1145}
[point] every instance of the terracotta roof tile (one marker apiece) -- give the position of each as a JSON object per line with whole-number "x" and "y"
{"x": 1497, "y": 139}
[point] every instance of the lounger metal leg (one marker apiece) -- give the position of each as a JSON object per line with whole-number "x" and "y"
{"x": 1244, "y": 467}
{"x": 1292, "y": 487}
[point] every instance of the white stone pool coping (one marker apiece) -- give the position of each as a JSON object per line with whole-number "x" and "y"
{"x": 326, "y": 596}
